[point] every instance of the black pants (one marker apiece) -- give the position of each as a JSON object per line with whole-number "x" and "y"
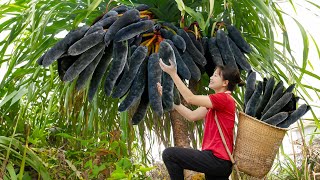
{"x": 176, "y": 159}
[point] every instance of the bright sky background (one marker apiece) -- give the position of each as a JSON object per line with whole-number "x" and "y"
{"x": 309, "y": 17}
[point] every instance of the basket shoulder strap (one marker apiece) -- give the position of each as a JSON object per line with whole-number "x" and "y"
{"x": 223, "y": 138}
{"x": 226, "y": 146}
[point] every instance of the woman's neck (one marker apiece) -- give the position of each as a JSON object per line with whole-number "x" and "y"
{"x": 222, "y": 90}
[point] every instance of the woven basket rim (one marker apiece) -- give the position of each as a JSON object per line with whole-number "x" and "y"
{"x": 262, "y": 122}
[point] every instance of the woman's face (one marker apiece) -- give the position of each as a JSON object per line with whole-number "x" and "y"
{"x": 216, "y": 80}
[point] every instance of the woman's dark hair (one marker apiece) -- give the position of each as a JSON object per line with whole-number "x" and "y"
{"x": 232, "y": 75}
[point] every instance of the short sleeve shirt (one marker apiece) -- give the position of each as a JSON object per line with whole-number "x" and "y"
{"x": 223, "y": 104}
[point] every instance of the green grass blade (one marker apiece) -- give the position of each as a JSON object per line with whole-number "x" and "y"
{"x": 124, "y": 124}
{"x": 12, "y": 173}
{"x": 316, "y": 45}
{"x": 305, "y": 47}
{"x": 8, "y": 98}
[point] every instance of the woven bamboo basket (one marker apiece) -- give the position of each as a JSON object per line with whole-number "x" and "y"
{"x": 256, "y": 146}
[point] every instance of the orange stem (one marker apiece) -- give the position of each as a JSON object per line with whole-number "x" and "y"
{"x": 151, "y": 40}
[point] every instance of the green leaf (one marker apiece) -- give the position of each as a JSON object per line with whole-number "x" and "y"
{"x": 93, "y": 5}
{"x": 114, "y": 145}
{"x": 308, "y": 73}
{"x": 74, "y": 169}
{"x": 79, "y": 18}
{"x": 118, "y": 173}
{"x": 97, "y": 169}
{"x": 26, "y": 176}
{"x": 88, "y": 164}
{"x": 145, "y": 169}
{"x": 8, "y": 97}
{"x": 294, "y": 8}
{"x": 124, "y": 123}
{"x": 13, "y": 175}
{"x": 124, "y": 163}
{"x": 22, "y": 91}
{"x": 211, "y": 8}
{"x": 85, "y": 13}
{"x": 262, "y": 7}
{"x": 181, "y": 5}
{"x": 314, "y": 4}
{"x": 316, "y": 45}
{"x": 305, "y": 46}
{"x": 32, "y": 159}
{"x": 197, "y": 16}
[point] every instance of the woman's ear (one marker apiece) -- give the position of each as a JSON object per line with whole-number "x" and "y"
{"x": 225, "y": 83}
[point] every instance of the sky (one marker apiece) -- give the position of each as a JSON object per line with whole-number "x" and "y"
{"x": 309, "y": 17}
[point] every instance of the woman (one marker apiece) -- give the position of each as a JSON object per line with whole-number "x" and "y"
{"x": 213, "y": 159}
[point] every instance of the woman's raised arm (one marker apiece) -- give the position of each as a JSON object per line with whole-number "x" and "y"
{"x": 198, "y": 100}
{"x": 195, "y": 115}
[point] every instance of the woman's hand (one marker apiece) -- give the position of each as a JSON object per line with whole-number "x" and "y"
{"x": 171, "y": 70}
{"x": 159, "y": 87}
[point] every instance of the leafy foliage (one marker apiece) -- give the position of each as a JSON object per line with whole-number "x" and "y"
{"x": 41, "y": 117}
